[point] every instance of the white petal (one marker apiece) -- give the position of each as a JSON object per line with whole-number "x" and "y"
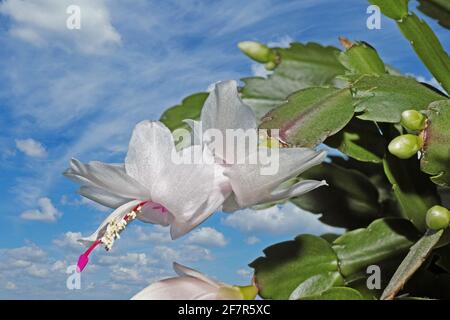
{"x": 223, "y": 109}
{"x": 149, "y": 153}
{"x": 186, "y": 271}
{"x": 230, "y": 204}
{"x": 251, "y": 188}
{"x": 152, "y": 214}
{"x": 103, "y": 197}
{"x": 119, "y": 213}
{"x": 180, "y": 288}
{"x": 297, "y": 189}
{"x": 110, "y": 178}
{"x": 184, "y": 188}
{"x": 220, "y": 190}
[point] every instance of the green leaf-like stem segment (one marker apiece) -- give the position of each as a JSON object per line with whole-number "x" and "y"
{"x": 300, "y": 66}
{"x": 361, "y": 58}
{"x": 416, "y": 256}
{"x": 309, "y": 266}
{"x": 311, "y": 115}
{"x": 435, "y": 160}
{"x": 190, "y": 108}
{"x": 414, "y": 191}
{"x": 421, "y": 37}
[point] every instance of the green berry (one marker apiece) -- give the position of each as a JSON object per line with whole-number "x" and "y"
{"x": 405, "y": 146}
{"x": 438, "y": 218}
{"x": 413, "y": 120}
{"x": 257, "y": 51}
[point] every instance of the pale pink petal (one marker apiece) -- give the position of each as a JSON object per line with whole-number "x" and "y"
{"x": 156, "y": 214}
{"x": 149, "y": 154}
{"x": 220, "y": 191}
{"x": 224, "y": 110}
{"x": 250, "y": 187}
{"x": 186, "y": 271}
{"x": 105, "y": 179}
{"x": 185, "y": 186}
{"x": 180, "y": 288}
{"x": 297, "y": 189}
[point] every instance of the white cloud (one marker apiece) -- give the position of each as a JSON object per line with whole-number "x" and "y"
{"x": 208, "y": 237}
{"x": 46, "y": 212}
{"x": 282, "y": 42}
{"x": 37, "y": 271}
{"x": 244, "y": 273}
{"x": 252, "y": 240}
{"x": 59, "y": 266}
{"x": 121, "y": 274}
{"x": 43, "y": 22}
{"x": 31, "y": 148}
{"x": 31, "y": 253}
{"x": 156, "y": 234}
{"x": 258, "y": 70}
{"x": 69, "y": 240}
{"x": 129, "y": 259}
{"x": 10, "y": 286}
{"x": 182, "y": 254}
{"x": 277, "y": 220}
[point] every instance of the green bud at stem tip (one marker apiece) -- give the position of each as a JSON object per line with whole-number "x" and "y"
{"x": 438, "y": 218}
{"x": 405, "y": 146}
{"x": 413, "y": 120}
{"x": 248, "y": 292}
{"x": 257, "y": 51}
{"x": 270, "y": 66}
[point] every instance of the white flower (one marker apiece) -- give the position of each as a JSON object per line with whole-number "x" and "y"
{"x": 225, "y": 111}
{"x": 193, "y": 285}
{"x": 150, "y": 186}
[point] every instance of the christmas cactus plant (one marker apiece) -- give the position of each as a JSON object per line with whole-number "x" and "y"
{"x": 387, "y": 181}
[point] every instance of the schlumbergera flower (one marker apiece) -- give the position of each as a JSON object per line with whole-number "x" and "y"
{"x": 193, "y": 285}
{"x": 150, "y": 186}
{"x": 225, "y": 116}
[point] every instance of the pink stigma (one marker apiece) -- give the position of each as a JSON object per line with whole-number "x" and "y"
{"x": 84, "y": 258}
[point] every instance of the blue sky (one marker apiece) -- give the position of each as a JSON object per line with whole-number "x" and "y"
{"x": 78, "y": 93}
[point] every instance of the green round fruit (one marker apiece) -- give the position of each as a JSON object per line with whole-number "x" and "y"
{"x": 438, "y": 218}
{"x": 405, "y": 146}
{"x": 413, "y": 120}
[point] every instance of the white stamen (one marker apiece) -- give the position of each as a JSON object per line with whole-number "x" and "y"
{"x": 116, "y": 226}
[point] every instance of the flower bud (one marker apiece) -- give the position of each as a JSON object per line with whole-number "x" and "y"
{"x": 438, "y": 218}
{"x": 248, "y": 292}
{"x": 405, "y": 146}
{"x": 413, "y": 120}
{"x": 257, "y": 51}
{"x": 270, "y": 66}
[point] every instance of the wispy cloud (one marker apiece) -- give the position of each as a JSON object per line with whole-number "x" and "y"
{"x": 44, "y": 23}
{"x": 31, "y": 148}
{"x": 285, "y": 219}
